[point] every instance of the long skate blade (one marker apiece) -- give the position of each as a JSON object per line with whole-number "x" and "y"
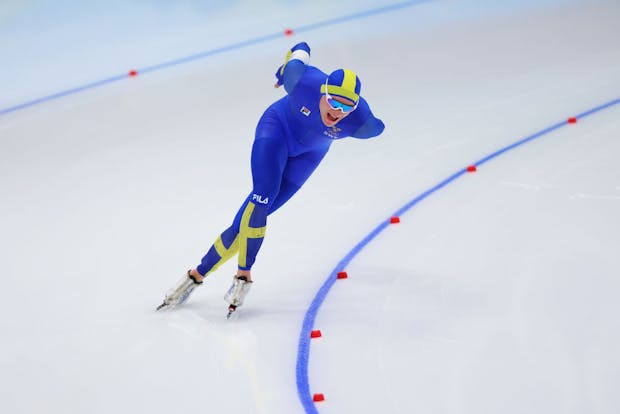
{"x": 163, "y": 305}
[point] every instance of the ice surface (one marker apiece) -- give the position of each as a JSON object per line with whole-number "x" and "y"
{"x": 496, "y": 294}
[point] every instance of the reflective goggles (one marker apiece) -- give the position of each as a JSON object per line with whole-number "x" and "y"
{"x": 344, "y": 108}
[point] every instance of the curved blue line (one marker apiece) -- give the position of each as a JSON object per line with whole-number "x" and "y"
{"x": 303, "y": 350}
{"x": 217, "y": 51}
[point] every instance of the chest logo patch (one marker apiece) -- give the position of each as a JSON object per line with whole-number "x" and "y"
{"x": 305, "y": 111}
{"x": 333, "y": 132}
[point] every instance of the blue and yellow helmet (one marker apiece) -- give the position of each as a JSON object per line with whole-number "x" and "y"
{"x": 344, "y": 83}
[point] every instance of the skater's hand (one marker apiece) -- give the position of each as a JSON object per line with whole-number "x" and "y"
{"x": 280, "y": 71}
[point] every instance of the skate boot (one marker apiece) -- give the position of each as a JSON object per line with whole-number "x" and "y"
{"x": 180, "y": 292}
{"x": 237, "y": 293}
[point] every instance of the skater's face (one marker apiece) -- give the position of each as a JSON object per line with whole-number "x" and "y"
{"x": 331, "y": 116}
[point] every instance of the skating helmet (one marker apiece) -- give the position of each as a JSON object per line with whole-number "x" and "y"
{"x": 344, "y": 83}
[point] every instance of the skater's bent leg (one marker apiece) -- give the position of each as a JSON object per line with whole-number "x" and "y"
{"x": 269, "y": 158}
{"x": 271, "y": 170}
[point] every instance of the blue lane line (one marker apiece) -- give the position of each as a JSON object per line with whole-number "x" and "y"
{"x": 598, "y": 108}
{"x": 63, "y": 93}
{"x": 217, "y": 51}
{"x": 303, "y": 351}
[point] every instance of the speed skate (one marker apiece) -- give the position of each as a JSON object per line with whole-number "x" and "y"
{"x": 180, "y": 292}
{"x": 237, "y": 293}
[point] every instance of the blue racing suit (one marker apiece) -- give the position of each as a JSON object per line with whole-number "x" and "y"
{"x": 290, "y": 142}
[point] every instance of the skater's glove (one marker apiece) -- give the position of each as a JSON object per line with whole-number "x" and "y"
{"x": 301, "y": 52}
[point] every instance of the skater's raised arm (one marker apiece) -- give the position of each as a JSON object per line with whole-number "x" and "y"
{"x": 294, "y": 66}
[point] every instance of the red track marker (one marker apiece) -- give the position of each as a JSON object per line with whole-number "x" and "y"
{"x": 342, "y": 275}
{"x": 572, "y": 120}
{"x": 318, "y": 397}
{"x": 316, "y": 334}
{"x": 472, "y": 168}
{"x": 288, "y": 32}
{"x": 395, "y": 220}
{"x": 133, "y": 73}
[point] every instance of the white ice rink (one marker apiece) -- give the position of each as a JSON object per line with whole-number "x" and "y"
{"x": 498, "y": 293}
